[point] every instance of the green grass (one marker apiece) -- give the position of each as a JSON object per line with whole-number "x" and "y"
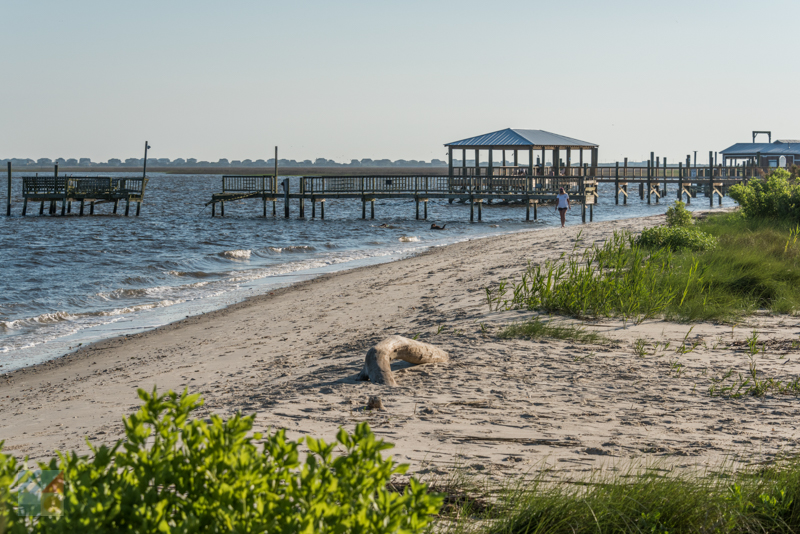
{"x": 644, "y": 501}
{"x": 536, "y": 328}
{"x": 756, "y": 265}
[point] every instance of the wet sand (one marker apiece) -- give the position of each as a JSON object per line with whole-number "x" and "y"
{"x": 500, "y": 407}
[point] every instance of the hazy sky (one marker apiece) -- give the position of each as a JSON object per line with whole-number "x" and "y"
{"x": 376, "y": 79}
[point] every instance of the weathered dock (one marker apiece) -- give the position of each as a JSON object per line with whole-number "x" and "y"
{"x": 83, "y": 189}
{"x": 475, "y": 190}
{"x": 241, "y": 187}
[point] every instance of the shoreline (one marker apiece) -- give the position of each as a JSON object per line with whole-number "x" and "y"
{"x": 500, "y": 407}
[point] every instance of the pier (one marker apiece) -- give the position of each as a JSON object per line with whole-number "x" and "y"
{"x": 91, "y": 190}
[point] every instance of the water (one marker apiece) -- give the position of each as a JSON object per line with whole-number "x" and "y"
{"x": 73, "y": 280}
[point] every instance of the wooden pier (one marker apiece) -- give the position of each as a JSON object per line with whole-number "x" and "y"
{"x": 475, "y": 190}
{"x": 476, "y": 187}
{"x": 241, "y": 187}
{"x": 83, "y": 189}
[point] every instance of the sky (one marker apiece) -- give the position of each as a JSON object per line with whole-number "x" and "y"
{"x": 364, "y": 79}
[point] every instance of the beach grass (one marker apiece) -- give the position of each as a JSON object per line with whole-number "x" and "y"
{"x": 755, "y": 266}
{"x": 536, "y": 328}
{"x": 641, "y": 500}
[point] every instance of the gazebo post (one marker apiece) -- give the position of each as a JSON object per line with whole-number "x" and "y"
{"x": 594, "y": 161}
{"x": 569, "y": 161}
{"x": 580, "y": 155}
{"x": 450, "y": 167}
{"x": 556, "y": 161}
{"x": 516, "y": 161}
{"x": 530, "y": 161}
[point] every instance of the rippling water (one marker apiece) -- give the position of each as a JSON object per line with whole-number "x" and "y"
{"x": 72, "y": 280}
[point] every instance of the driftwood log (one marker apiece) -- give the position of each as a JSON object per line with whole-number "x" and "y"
{"x": 378, "y": 363}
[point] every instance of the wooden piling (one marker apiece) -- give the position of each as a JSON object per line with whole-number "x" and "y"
{"x": 116, "y": 204}
{"x": 616, "y": 183}
{"x": 138, "y": 207}
{"x": 24, "y": 206}
{"x": 425, "y": 209}
{"x": 128, "y": 208}
{"x": 322, "y": 209}
{"x": 285, "y": 193}
{"x": 313, "y": 208}
{"x": 91, "y": 208}
{"x": 80, "y": 213}
{"x": 416, "y": 202}
{"x": 372, "y": 208}
{"x": 711, "y": 178}
{"x": 8, "y": 197}
{"x": 480, "y": 216}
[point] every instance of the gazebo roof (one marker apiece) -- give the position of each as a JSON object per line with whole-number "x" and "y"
{"x": 751, "y": 149}
{"x": 516, "y": 138}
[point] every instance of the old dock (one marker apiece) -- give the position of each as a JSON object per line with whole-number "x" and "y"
{"x": 89, "y": 190}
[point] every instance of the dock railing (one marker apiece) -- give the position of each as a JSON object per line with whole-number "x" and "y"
{"x": 261, "y": 183}
{"x": 374, "y": 184}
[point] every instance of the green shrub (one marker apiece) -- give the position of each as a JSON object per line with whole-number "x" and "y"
{"x": 678, "y": 215}
{"x": 676, "y": 238}
{"x": 176, "y": 475}
{"x": 775, "y": 196}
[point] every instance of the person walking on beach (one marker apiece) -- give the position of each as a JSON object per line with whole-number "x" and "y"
{"x": 563, "y": 205}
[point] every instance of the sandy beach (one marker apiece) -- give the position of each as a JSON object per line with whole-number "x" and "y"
{"x": 500, "y": 407}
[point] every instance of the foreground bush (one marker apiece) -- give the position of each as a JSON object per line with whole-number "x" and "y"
{"x": 676, "y": 238}
{"x": 777, "y": 195}
{"x": 176, "y": 475}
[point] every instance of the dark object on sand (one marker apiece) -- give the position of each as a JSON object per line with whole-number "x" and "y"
{"x": 375, "y": 403}
{"x": 435, "y": 226}
{"x": 384, "y": 225}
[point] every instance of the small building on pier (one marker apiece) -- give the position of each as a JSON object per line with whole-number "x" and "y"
{"x": 531, "y": 143}
{"x": 763, "y": 154}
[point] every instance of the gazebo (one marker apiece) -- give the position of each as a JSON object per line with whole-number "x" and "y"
{"x": 514, "y": 140}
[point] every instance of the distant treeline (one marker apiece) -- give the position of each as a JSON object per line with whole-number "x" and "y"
{"x": 260, "y": 163}
{"x": 192, "y": 162}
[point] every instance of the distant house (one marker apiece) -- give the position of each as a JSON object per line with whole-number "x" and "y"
{"x": 764, "y": 154}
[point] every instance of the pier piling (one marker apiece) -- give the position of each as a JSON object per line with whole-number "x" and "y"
{"x": 8, "y": 197}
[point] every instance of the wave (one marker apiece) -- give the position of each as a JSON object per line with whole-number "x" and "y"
{"x": 297, "y": 248}
{"x": 190, "y": 274}
{"x": 62, "y": 316}
{"x": 409, "y": 239}
{"x": 236, "y": 255}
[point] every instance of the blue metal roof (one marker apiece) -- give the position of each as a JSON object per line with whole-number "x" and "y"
{"x": 526, "y": 138}
{"x": 751, "y": 149}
